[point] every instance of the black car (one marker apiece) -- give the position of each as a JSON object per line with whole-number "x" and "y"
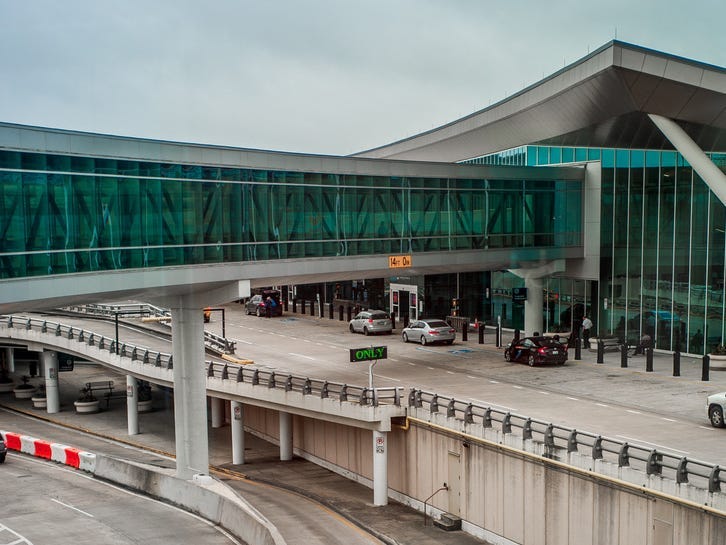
{"x": 536, "y": 350}
{"x": 260, "y": 303}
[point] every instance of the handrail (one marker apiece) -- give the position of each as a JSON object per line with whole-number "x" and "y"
{"x": 145, "y": 310}
{"x": 559, "y": 438}
{"x": 360, "y": 395}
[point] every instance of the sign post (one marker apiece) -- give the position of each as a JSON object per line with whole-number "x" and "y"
{"x": 373, "y": 354}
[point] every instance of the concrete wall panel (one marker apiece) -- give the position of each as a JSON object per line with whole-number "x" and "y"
{"x": 606, "y": 503}
{"x": 493, "y": 492}
{"x": 534, "y": 501}
{"x": 581, "y": 518}
{"x": 634, "y": 510}
{"x": 557, "y": 504}
{"x": 513, "y": 500}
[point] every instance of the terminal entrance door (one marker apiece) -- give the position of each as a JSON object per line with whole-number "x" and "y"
{"x": 404, "y": 302}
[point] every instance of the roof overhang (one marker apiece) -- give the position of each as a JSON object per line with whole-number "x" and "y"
{"x": 602, "y": 100}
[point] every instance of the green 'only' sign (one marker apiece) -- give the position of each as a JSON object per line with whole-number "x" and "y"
{"x": 369, "y": 353}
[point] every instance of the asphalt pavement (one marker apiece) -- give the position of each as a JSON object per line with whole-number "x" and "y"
{"x": 106, "y": 432}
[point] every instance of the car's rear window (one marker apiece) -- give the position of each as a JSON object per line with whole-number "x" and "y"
{"x": 379, "y": 315}
{"x": 438, "y": 323}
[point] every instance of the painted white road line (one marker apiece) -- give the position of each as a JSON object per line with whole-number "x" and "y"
{"x": 430, "y": 368}
{"x": 490, "y": 404}
{"x": 543, "y": 393}
{"x": 517, "y": 387}
{"x": 243, "y": 342}
{"x": 631, "y": 411}
{"x": 301, "y": 356}
{"x": 602, "y": 405}
{"x": 668, "y": 419}
{"x": 411, "y": 364}
{"x": 572, "y": 398}
{"x": 449, "y": 372}
{"x": 470, "y": 377}
{"x": 71, "y": 507}
{"x": 636, "y": 441}
{"x": 494, "y": 381}
{"x": 385, "y": 377}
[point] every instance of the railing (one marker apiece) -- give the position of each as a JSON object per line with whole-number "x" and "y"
{"x": 306, "y": 385}
{"x": 559, "y": 439}
{"x": 212, "y": 341}
{"x": 226, "y": 371}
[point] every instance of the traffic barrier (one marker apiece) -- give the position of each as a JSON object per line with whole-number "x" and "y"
{"x": 57, "y": 452}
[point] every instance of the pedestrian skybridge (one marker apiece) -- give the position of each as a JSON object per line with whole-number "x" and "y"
{"x": 122, "y": 217}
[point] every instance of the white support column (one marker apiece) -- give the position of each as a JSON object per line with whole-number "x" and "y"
{"x": 380, "y": 468}
{"x": 10, "y": 359}
{"x": 50, "y": 364}
{"x": 190, "y": 402}
{"x": 713, "y": 176}
{"x": 132, "y": 407}
{"x": 533, "y": 306}
{"x": 285, "y": 436}
{"x": 238, "y": 433}
{"x": 217, "y": 406}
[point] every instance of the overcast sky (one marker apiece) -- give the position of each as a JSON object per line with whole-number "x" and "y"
{"x": 318, "y": 76}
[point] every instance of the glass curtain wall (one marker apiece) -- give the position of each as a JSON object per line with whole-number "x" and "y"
{"x": 67, "y": 214}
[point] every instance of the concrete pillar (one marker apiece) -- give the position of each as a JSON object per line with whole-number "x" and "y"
{"x": 190, "y": 401}
{"x": 10, "y": 359}
{"x": 285, "y": 437}
{"x": 217, "y": 406}
{"x": 50, "y": 364}
{"x": 238, "y": 433}
{"x": 380, "y": 468}
{"x": 533, "y": 306}
{"x": 132, "y": 408}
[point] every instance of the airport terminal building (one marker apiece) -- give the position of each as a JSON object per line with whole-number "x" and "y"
{"x": 600, "y": 189}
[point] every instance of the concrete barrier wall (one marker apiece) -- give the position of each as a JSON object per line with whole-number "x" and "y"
{"x": 502, "y": 493}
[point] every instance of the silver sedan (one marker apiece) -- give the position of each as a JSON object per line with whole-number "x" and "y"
{"x": 429, "y": 332}
{"x": 369, "y": 322}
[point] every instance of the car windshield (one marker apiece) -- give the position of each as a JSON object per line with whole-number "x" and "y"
{"x": 435, "y": 324}
{"x": 379, "y": 316}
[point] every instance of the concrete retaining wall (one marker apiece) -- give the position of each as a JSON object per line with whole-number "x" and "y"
{"x": 503, "y": 493}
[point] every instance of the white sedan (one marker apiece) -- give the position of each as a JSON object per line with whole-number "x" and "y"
{"x": 716, "y": 409}
{"x": 428, "y": 332}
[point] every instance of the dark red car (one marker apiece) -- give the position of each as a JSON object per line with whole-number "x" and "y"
{"x": 536, "y": 350}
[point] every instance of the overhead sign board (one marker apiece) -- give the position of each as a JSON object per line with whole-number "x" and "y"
{"x": 369, "y": 353}
{"x": 399, "y": 261}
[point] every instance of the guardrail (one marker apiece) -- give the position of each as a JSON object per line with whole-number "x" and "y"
{"x": 557, "y": 439}
{"x": 226, "y": 371}
{"x": 212, "y": 341}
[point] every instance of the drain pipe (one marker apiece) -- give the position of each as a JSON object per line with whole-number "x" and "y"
{"x": 445, "y": 487}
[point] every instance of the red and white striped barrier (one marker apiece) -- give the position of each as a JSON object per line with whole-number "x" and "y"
{"x": 57, "y": 452}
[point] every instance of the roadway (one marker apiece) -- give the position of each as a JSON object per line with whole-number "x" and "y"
{"x": 49, "y": 503}
{"x": 650, "y": 409}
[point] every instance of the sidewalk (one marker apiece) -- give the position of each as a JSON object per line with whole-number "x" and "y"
{"x": 393, "y": 524}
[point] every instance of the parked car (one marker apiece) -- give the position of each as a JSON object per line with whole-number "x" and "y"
{"x": 716, "y": 409}
{"x": 371, "y": 321}
{"x": 256, "y": 304}
{"x": 429, "y": 332}
{"x": 536, "y": 350}
{"x": 3, "y": 449}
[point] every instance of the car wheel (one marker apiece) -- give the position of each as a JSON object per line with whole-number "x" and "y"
{"x": 259, "y": 313}
{"x": 366, "y": 332}
{"x": 450, "y": 342}
{"x": 507, "y": 355}
{"x": 423, "y": 340}
{"x": 404, "y": 337}
{"x": 352, "y": 329}
{"x": 715, "y": 415}
{"x": 2, "y": 458}
{"x": 530, "y": 360}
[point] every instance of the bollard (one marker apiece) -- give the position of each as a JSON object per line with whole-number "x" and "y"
{"x": 464, "y": 331}
{"x": 331, "y": 310}
{"x": 648, "y": 360}
{"x": 350, "y": 312}
{"x": 623, "y": 355}
{"x": 481, "y": 333}
{"x": 498, "y": 335}
{"x": 706, "y": 365}
{"x": 578, "y": 349}
{"x": 284, "y": 304}
{"x": 676, "y": 364}
{"x": 294, "y": 306}
{"x": 405, "y": 321}
{"x": 340, "y": 313}
{"x": 312, "y": 308}
{"x": 600, "y": 351}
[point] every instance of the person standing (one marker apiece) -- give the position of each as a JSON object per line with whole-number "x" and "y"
{"x": 586, "y": 327}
